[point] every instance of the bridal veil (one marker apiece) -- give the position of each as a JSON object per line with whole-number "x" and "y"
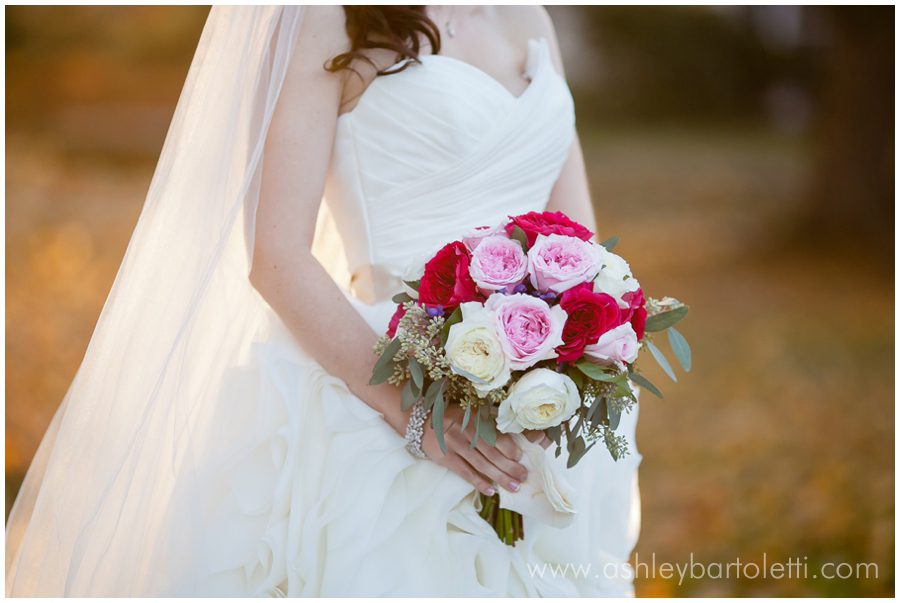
{"x": 133, "y": 429}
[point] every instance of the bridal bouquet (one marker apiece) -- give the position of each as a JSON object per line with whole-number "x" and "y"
{"x": 528, "y": 325}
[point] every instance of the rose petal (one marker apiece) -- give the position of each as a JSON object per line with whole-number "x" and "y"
{"x": 546, "y": 496}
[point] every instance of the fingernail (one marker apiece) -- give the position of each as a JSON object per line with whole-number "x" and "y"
{"x": 490, "y": 492}
{"x": 514, "y": 486}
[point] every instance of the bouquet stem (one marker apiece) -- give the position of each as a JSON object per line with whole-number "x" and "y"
{"x": 508, "y": 524}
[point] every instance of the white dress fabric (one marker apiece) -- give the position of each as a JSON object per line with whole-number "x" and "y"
{"x": 254, "y": 472}
{"x": 320, "y": 496}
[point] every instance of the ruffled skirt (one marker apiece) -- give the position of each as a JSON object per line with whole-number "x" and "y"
{"x": 313, "y": 494}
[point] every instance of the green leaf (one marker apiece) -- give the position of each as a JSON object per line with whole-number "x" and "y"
{"x": 466, "y": 417}
{"x": 455, "y": 317}
{"x": 681, "y": 348}
{"x": 599, "y": 402}
{"x": 437, "y": 416}
{"x": 595, "y": 371}
{"x": 519, "y": 235}
{"x": 613, "y": 415}
{"x": 414, "y": 285}
{"x": 577, "y": 376}
{"x": 384, "y": 366}
{"x": 401, "y": 298}
{"x": 486, "y": 428}
{"x": 661, "y": 360}
{"x": 554, "y": 433}
{"x": 646, "y": 384}
{"x": 415, "y": 371}
{"x": 610, "y": 243}
{"x": 407, "y": 396}
{"x": 434, "y": 390}
{"x": 477, "y": 431}
{"x": 664, "y": 320}
{"x": 576, "y": 451}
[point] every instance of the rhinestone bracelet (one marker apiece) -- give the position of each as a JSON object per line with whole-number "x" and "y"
{"x": 415, "y": 430}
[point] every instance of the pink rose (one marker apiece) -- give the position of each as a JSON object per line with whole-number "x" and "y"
{"x": 545, "y": 223}
{"x": 617, "y": 346}
{"x": 558, "y": 262}
{"x": 472, "y": 238}
{"x": 528, "y": 328}
{"x": 498, "y": 263}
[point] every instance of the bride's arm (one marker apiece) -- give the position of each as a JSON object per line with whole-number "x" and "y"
{"x": 292, "y": 281}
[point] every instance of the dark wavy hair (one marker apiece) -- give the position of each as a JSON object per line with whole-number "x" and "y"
{"x": 397, "y": 28}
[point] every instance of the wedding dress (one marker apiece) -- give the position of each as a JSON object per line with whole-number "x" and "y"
{"x": 294, "y": 486}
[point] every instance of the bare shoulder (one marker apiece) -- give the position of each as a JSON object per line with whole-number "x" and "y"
{"x": 531, "y": 21}
{"x": 322, "y": 35}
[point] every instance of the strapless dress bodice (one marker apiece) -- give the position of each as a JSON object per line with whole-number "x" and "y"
{"x": 435, "y": 150}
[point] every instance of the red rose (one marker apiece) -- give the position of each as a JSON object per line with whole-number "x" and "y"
{"x": 395, "y": 320}
{"x": 545, "y": 223}
{"x": 590, "y": 316}
{"x": 636, "y": 312}
{"x": 446, "y": 281}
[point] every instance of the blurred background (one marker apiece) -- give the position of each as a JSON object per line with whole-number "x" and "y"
{"x": 743, "y": 154}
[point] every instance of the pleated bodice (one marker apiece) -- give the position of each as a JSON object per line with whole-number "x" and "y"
{"x": 437, "y": 149}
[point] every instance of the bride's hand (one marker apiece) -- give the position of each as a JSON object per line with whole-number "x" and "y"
{"x": 482, "y": 466}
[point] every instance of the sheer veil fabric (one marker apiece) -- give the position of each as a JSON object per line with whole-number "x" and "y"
{"x": 134, "y": 429}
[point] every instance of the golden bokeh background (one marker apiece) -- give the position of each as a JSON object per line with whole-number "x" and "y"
{"x": 743, "y": 154}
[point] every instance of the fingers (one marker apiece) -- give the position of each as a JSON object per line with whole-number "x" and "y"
{"x": 480, "y": 462}
{"x": 538, "y": 437}
{"x": 459, "y": 466}
{"x": 507, "y": 447}
{"x": 508, "y": 466}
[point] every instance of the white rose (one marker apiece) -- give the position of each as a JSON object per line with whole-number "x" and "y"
{"x": 474, "y": 351}
{"x": 617, "y": 346}
{"x": 615, "y": 277}
{"x": 414, "y": 271}
{"x": 541, "y": 398}
{"x": 546, "y": 496}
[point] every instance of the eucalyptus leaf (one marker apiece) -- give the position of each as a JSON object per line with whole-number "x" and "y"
{"x": 415, "y": 371}
{"x": 646, "y": 384}
{"x": 477, "y": 431}
{"x": 466, "y": 417}
{"x": 414, "y": 285}
{"x": 681, "y": 348}
{"x": 595, "y": 371}
{"x": 576, "y": 451}
{"x": 661, "y": 360}
{"x": 384, "y": 366}
{"x": 401, "y": 298}
{"x": 599, "y": 402}
{"x": 432, "y": 393}
{"x": 455, "y": 317}
{"x": 610, "y": 243}
{"x": 437, "y": 417}
{"x": 577, "y": 376}
{"x": 614, "y": 415}
{"x": 519, "y": 235}
{"x": 486, "y": 427}
{"x": 407, "y": 396}
{"x": 554, "y": 433}
{"x": 664, "y": 320}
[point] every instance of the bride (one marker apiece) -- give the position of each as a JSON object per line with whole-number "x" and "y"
{"x": 221, "y": 437}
